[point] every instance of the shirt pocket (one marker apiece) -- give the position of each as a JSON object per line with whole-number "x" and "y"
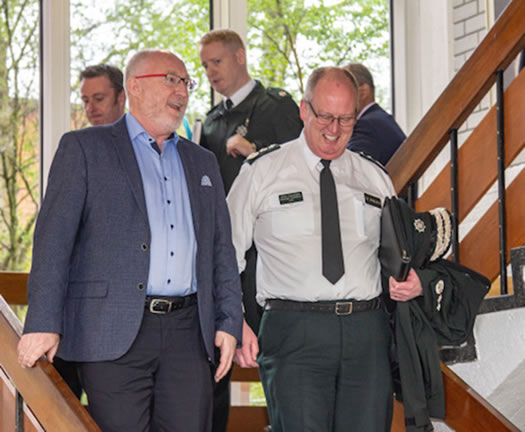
{"x": 292, "y": 219}
{"x": 368, "y": 218}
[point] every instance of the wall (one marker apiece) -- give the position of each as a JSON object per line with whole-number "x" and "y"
{"x": 422, "y": 63}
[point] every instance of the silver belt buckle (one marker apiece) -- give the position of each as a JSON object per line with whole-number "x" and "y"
{"x": 343, "y": 308}
{"x": 156, "y": 302}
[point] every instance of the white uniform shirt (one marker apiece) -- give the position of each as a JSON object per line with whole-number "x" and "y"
{"x": 276, "y": 202}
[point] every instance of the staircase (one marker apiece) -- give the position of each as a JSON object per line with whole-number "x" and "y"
{"x": 474, "y": 168}
{"x": 51, "y": 405}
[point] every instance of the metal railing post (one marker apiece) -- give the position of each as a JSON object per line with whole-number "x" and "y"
{"x": 454, "y": 202}
{"x": 501, "y": 184}
{"x": 19, "y": 413}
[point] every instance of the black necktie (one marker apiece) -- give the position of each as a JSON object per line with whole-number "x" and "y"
{"x": 333, "y": 264}
{"x": 229, "y": 104}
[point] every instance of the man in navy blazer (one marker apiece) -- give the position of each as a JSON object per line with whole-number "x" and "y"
{"x": 134, "y": 274}
{"x": 376, "y": 133}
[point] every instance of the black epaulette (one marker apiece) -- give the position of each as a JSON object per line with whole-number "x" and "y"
{"x": 216, "y": 112}
{"x": 371, "y": 159}
{"x": 277, "y": 93}
{"x": 264, "y": 151}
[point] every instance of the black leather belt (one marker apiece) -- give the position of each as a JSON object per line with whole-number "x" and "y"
{"x": 343, "y": 307}
{"x": 164, "y": 305}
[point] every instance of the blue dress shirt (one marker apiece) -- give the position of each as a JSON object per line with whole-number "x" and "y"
{"x": 173, "y": 247}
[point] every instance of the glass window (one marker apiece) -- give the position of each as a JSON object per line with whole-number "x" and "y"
{"x": 19, "y": 131}
{"x": 287, "y": 39}
{"x": 110, "y": 31}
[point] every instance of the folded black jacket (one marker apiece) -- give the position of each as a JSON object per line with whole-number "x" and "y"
{"x": 444, "y": 315}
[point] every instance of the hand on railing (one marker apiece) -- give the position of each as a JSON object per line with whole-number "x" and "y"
{"x": 246, "y": 355}
{"x": 32, "y": 346}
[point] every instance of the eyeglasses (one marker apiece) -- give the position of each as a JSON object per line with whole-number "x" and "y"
{"x": 327, "y": 119}
{"x": 172, "y": 80}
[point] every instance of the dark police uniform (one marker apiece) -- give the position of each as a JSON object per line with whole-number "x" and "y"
{"x": 266, "y": 116}
{"x": 443, "y": 316}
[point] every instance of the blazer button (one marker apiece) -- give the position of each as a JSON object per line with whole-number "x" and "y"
{"x": 140, "y": 286}
{"x": 144, "y": 247}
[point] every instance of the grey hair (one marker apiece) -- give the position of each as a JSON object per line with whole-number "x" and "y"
{"x": 361, "y": 73}
{"x": 320, "y": 72}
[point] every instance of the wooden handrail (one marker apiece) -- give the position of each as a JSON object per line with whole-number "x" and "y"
{"x": 47, "y": 395}
{"x": 467, "y": 411}
{"x": 13, "y": 287}
{"x": 477, "y": 170}
{"x": 497, "y": 50}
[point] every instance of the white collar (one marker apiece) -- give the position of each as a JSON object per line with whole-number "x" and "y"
{"x": 242, "y": 93}
{"x": 312, "y": 160}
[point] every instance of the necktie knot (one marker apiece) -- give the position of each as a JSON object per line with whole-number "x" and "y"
{"x": 229, "y": 104}
{"x": 326, "y": 163}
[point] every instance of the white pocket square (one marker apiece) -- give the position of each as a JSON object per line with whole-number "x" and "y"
{"x": 205, "y": 181}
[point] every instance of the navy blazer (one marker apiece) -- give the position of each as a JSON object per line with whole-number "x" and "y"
{"x": 376, "y": 133}
{"x": 91, "y": 247}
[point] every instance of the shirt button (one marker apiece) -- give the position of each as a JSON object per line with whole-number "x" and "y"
{"x": 140, "y": 286}
{"x": 171, "y": 253}
{"x": 169, "y": 280}
{"x": 171, "y": 226}
{"x": 169, "y": 202}
{"x": 144, "y": 247}
{"x": 165, "y": 178}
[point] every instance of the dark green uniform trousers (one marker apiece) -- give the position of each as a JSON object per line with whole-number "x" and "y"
{"x": 323, "y": 372}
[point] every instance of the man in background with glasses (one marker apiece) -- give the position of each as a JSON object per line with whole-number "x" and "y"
{"x": 313, "y": 210}
{"x": 249, "y": 118}
{"x": 133, "y": 273}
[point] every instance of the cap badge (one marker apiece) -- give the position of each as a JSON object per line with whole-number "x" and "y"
{"x": 419, "y": 225}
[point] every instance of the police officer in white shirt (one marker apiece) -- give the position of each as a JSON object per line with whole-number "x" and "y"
{"x": 324, "y": 335}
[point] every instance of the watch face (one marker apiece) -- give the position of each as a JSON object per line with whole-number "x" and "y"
{"x": 241, "y": 130}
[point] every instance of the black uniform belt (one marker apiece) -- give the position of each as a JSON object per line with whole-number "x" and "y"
{"x": 163, "y": 305}
{"x": 343, "y": 307}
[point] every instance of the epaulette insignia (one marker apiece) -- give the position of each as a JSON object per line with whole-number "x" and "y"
{"x": 371, "y": 159}
{"x": 256, "y": 155}
{"x": 277, "y": 93}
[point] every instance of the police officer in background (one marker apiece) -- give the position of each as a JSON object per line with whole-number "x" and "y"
{"x": 248, "y": 118}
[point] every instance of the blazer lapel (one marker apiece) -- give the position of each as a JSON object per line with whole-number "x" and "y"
{"x": 127, "y": 158}
{"x": 192, "y": 180}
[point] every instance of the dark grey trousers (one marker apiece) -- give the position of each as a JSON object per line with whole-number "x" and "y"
{"x": 162, "y": 384}
{"x": 326, "y": 373}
